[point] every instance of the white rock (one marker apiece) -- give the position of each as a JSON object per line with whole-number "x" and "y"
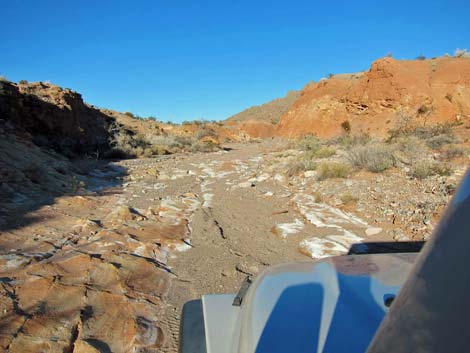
{"x": 310, "y": 173}
{"x": 373, "y": 231}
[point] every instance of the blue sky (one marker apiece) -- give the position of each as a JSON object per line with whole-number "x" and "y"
{"x": 181, "y": 60}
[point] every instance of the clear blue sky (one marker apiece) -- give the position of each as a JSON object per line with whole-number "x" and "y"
{"x": 181, "y": 60}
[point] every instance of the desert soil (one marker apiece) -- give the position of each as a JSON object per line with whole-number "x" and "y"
{"x": 108, "y": 269}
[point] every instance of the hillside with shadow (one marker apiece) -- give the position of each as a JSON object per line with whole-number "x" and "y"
{"x": 49, "y": 144}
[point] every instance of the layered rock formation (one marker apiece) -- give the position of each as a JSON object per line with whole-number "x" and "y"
{"x": 392, "y": 93}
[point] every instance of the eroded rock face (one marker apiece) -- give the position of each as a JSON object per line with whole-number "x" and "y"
{"x": 54, "y": 117}
{"x": 71, "y": 283}
{"x": 427, "y": 92}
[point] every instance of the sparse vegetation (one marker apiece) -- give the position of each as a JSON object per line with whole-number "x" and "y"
{"x": 129, "y": 114}
{"x": 410, "y": 149}
{"x": 424, "y": 169}
{"x": 423, "y": 109}
{"x": 23, "y": 82}
{"x": 351, "y": 140}
{"x": 300, "y": 165}
{"x": 204, "y": 131}
{"x": 347, "y": 199}
{"x": 309, "y": 143}
{"x": 329, "y": 170}
{"x": 275, "y": 120}
{"x": 323, "y": 152}
{"x": 453, "y": 151}
{"x": 434, "y": 136}
{"x": 421, "y": 57}
{"x": 374, "y": 157}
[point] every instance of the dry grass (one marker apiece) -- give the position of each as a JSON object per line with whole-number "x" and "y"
{"x": 453, "y": 151}
{"x": 300, "y": 165}
{"x": 347, "y": 199}
{"x": 329, "y": 170}
{"x": 434, "y": 137}
{"x": 424, "y": 169}
{"x": 410, "y": 149}
{"x": 309, "y": 143}
{"x": 324, "y": 152}
{"x": 375, "y": 157}
{"x": 351, "y": 140}
{"x": 128, "y": 145}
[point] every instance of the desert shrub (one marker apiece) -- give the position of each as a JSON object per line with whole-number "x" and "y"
{"x": 318, "y": 196}
{"x": 346, "y": 126}
{"x": 275, "y": 120}
{"x": 410, "y": 149}
{"x": 351, "y": 140}
{"x": 420, "y": 57}
{"x": 374, "y": 157}
{"x": 461, "y": 53}
{"x": 424, "y": 169}
{"x": 309, "y": 143}
{"x": 324, "y": 152}
{"x": 23, "y": 82}
{"x": 439, "y": 141}
{"x": 434, "y": 136}
{"x": 204, "y": 131}
{"x": 129, "y": 114}
{"x": 329, "y": 170}
{"x": 423, "y": 109}
{"x": 294, "y": 168}
{"x": 117, "y": 153}
{"x": 204, "y": 147}
{"x": 453, "y": 151}
{"x": 300, "y": 165}
{"x": 348, "y": 198}
{"x": 127, "y": 145}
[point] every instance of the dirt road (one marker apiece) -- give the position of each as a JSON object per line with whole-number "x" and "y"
{"x": 109, "y": 269}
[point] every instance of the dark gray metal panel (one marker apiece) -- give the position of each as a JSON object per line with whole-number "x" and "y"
{"x": 192, "y": 332}
{"x": 432, "y": 311}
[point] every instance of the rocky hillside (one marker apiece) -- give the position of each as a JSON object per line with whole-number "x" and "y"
{"x": 261, "y": 120}
{"x": 50, "y": 138}
{"x": 392, "y": 94}
{"x": 269, "y": 112}
{"x": 53, "y": 117}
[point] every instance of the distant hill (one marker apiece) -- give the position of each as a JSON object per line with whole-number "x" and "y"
{"x": 270, "y": 112}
